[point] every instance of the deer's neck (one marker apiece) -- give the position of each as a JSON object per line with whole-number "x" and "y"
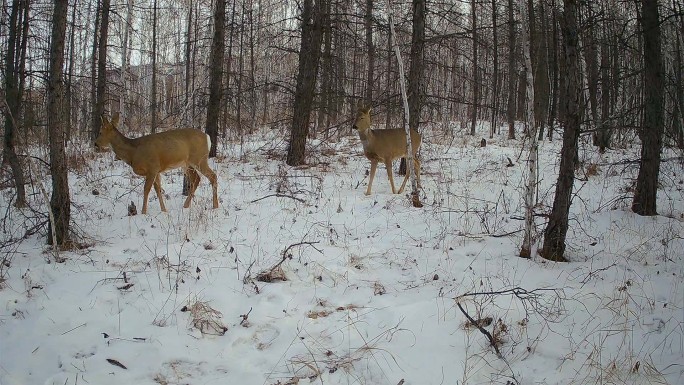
{"x": 366, "y": 137}
{"x": 123, "y": 147}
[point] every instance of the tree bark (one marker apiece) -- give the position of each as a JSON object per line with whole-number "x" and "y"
{"x": 13, "y": 100}
{"x": 530, "y": 126}
{"x": 557, "y": 227}
{"x": 60, "y": 203}
{"x": 415, "y": 80}
{"x": 512, "y": 71}
{"x": 216, "y": 75}
{"x": 651, "y": 133}
{"x": 309, "y": 57}
{"x": 154, "y": 108}
{"x": 370, "y": 47}
{"x": 495, "y": 73}
{"x": 99, "y": 109}
{"x": 476, "y": 72}
{"x": 95, "y": 119}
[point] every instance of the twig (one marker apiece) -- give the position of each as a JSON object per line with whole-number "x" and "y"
{"x": 279, "y": 196}
{"x": 481, "y": 329}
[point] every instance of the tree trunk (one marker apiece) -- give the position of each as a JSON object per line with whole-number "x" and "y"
{"x": 651, "y": 133}
{"x": 557, "y": 227}
{"x": 554, "y": 70}
{"x": 476, "y": 72}
{"x": 309, "y": 55}
{"x": 102, "y": 63}
{"x": 531, "y": 187}
{"x": 125, "y": 60}
{"x": 415, "y": 80}
{"x": 495, "y": 73}
{"x": 13, "y": 100}
{"x": 154, "y": 108}
{"x": 60, "y": 203}
{"x": 604, "y": 129}
{"x": 368, "y": 24}
{"x": 95, "y": 120}
{"x": 216, "y": 75}
{"x": 512, "y": 71}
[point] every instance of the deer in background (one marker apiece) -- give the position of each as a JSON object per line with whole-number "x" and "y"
{"x": 385, "y": 146}
{"x": 150, "y": 155}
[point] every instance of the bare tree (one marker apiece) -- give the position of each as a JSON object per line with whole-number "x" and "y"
{"x": 99, "y": 102}
{"x": 154, "y": 108}
{"x": 216, "y": 74}
{"x": 512, "y": 70}
{"x": 60, "y": 203}
{"x": 12, "y": 101}
{"x": 309, "y": 55}
{"x": 531, "y": 186}
{"x": 476, "y": 71}
{"x": 651, "y": 133}
{"x": 557, "y": 227}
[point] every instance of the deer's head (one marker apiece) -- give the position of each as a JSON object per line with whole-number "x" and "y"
{"x": 107, "y": 132}
{"x": 362, "y": 122}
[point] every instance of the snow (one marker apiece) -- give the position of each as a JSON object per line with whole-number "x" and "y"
{"x": 372, "y": 283}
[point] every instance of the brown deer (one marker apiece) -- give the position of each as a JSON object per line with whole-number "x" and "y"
{"x": 385, "y": 146}
{"x": 150, "y": 155}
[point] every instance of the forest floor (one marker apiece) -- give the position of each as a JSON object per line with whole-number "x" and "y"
{"x": 363, "y": 289}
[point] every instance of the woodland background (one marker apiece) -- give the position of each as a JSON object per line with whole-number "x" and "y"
{"x": 609, "y": 69}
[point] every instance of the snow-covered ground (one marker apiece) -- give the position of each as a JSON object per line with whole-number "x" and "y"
{"x": 373, "y": 285}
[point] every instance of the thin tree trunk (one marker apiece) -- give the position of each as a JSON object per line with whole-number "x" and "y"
{"x": 370, "y": 47}
{"x": 651, "y": 133}
{"x": 60, "y": 203}
{"x": 512, "y": 71}
{"x": 415, "y": 80}
{"x": 102, "y": 62}
{"x": 125, "y": 59}
{"x": 154, "y": 108}
{"x": 13, "y": 100}
{"x": 216, "y": 75}
{"x": 557, "y": 227}
{"x": 418, "y": 31}
{"x": 309, "y": 57}
{"x": 495, "y": 73}
{"x": 95, "y": 119}
{"x": 70, "y": 73}
{"x": 531, "y": 187}
{"x": 555, "y": 71}
{"x": 476, "y": 72}
{"x": 604, "y": 129}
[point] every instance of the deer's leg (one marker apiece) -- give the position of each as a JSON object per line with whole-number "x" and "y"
{"x": 374, "y": 166}
{"x": 149, "y": 181}
{"x": 416, "y": 165}
{"x": 193, "y": 179}
{"x": 158, "y": 190}
{"x": 390, "y": 176}
{"x": 211, "y": 175}
{"x": 416, "y": 168}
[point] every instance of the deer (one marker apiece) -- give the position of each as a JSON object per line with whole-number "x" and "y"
{"x": 152, "y": 154}
{"x": 385, "y": 146}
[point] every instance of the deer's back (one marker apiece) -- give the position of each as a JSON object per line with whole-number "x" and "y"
{"x": 174, "y": 148}
{"x": 391, "y": 143}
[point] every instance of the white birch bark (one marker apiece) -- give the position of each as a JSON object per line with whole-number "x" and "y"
{"x": 531, "y": 187}
{"x": 404, "y": 97}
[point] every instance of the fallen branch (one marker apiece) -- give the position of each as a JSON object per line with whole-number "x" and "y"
{"x": 279, "y": 196}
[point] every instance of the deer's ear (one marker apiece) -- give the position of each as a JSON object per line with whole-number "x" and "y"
{"x": 368, "y": 110}
{"x": 115, "y": 120}
{"x": 104, "y": 120}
